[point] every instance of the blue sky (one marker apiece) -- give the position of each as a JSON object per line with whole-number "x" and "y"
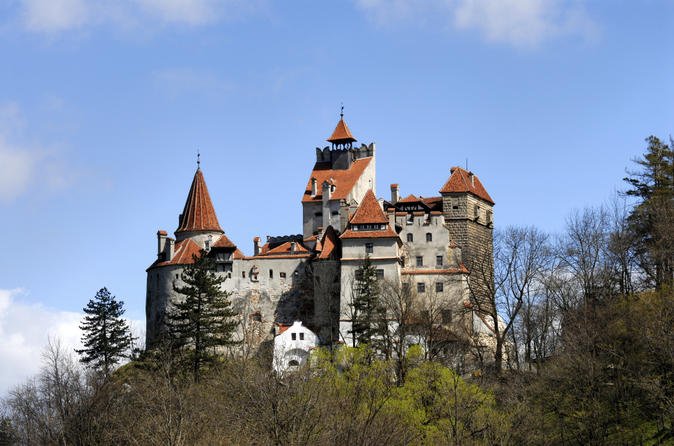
{"x": 104, "y": 105}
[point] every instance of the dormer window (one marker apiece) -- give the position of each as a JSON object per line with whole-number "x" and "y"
{"x": 207, "y": 245}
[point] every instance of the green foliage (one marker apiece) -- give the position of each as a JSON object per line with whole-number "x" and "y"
{"x": 368, "y": 316}
{"x": 106, "y": 337}
{"x": 203, "y": 322}
{"x": 652, "y": 219}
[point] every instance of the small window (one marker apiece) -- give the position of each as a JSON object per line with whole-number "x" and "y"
{"x": 410, "y": 237}
{"x": 421, "y": 287}
{"x": 271, "y": 273}
{"x": 380, "y": 274}
{"x": 369, "y": 248}
{"x": 283, "y": 275}
{"x": 334, "y": 213}
{"x": 301, "y": 336}
{"x": 177, "y": 276}
{"x": 293, "y": 336}
{"x": 243, "y": 274}
{"x": 429, "y": 237}
{"x": 207, "y": 245}
{"x": 420, "y": 261}
{"x": 318, "y": 214}
{"x": 438, "y": 260}
{"x": 446, "y": 316}
{"x": 293, "y": 363}
{"x": 439, "y": 287}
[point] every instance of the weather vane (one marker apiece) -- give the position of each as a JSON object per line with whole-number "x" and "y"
{"x": 198, "y": 160}
{"x": 341, "y": 113}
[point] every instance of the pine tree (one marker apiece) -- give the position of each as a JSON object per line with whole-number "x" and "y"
{"x": 203, "y": 321}
{"x": 106, "y": 337}
{"x": 652, "y": 219}
{"x": 366, "y": 325}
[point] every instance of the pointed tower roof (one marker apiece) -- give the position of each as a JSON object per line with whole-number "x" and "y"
{"x": 462, "y": 180}
{"x": 198, "y": 214}
{"x": 369, "y": 211}
{"x": 341, "y": 134}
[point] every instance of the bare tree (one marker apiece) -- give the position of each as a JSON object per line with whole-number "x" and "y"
{"x": 520, "y": 255}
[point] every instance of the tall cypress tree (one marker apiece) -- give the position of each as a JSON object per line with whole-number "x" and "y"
{"x": 106, "y": 337}
{"x": 203, "y": 321}
{"x": 652, "y": 218}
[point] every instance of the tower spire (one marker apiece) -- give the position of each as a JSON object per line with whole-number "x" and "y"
{"x": 341, "y": 136}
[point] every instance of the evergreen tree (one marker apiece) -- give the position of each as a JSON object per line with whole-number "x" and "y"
{"x": 368, "y": 318}
{"x": 203, "y": 321}
{"x": 106, "y": 337}
{"x": 652, "y": 219}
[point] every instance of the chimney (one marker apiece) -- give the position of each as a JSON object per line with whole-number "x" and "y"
{"x": 327, "y": 192}
{"x": 171, "y": 249}
{"x": 161, "y": 242}
{"x": 395, "y": 193}
{"x": 293, "y": 247}
{"x": 472, "y": 178}
{"x": 314, "y": 187}
{"x": 256, "y": 246}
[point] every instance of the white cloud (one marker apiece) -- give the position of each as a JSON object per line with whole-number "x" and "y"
{"x": 25, "y": 329}
{"x": 520, "y": 23}
{"x": 25, "y": 167}
{"x": 54, "y": 16}
{"x": 18, "y": 168}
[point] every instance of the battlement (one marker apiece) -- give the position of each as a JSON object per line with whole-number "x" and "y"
{"x": 342, "y": 158}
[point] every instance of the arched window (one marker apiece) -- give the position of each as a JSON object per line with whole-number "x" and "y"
{"x": 429, "y": 237}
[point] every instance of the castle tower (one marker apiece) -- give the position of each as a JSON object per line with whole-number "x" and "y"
{"x": 198, "y": 229}
{"x": 468, "y": 210}
{"x": 369, "y": 234}
{"x": 341, "y": 176}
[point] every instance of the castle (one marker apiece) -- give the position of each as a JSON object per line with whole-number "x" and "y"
{"x": 424, "y": 245}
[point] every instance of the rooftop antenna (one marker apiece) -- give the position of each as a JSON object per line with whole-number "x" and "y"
{"x": 198, "y": 160}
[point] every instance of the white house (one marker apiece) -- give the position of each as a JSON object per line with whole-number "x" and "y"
{"x": 292, "y": 346}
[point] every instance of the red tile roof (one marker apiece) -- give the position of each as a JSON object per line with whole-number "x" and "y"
{"x": 224, "y": 242}
{"x": 184, "y": 250}
{"x": 387, "y": 233}
{"x": 329, "y": 244}
{"x": 460, "y": 181}
{"x": 369, "y": 211}
{"x": 198, "y": 214}
{"x": 344, "y": 179}
{"x": 282, "y": 249}
{"x": 409, "y": 199}
{"x": 341, "y": 133}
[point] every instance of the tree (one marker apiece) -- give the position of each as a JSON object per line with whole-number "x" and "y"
{"x": 652, "y": 218}
{"x": 106, "y": 337}
{"x": 520, "y": 255}
{"x": 367, "y": 313}
{"x": 203, "y": 321}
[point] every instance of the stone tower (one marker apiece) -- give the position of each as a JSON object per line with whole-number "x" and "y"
{"x": 469, "y": 213}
